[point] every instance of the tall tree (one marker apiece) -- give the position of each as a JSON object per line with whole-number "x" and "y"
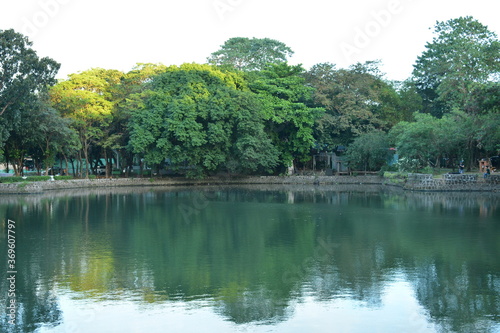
{"x": 41, "y": 133}
{"x": 455, "y": 136}
{"x": 417, "y": 140}
{"x": 250, "y": 54}
{"x": 49, "y": 134}
{"x": 288, "y": 112}
{"x": 369, "y": 151}
{"x": 21, "y": 71}
{"x": 410, "y": 100}
{"x": 87, "y": 98}
{"x": 124, "y": 93}
{"x": 357, "y": 100}
{"x": 463, "y": 54}
{"x": 201, "y": 117}
{"x": 22, "y": 75}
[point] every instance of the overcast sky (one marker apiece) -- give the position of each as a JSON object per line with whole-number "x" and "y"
{"x": 117, "y": 34}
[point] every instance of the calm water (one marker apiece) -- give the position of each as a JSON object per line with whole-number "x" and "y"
{"x": 304, "y": 259}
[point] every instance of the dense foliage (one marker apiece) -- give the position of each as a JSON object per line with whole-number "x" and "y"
{"x": 202, "y": 119}
{"x": 250, "y": 112}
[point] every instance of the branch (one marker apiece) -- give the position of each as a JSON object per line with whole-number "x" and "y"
{"x": 5, "y": 107}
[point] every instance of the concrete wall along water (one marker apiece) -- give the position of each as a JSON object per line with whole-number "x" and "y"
{"x": 452, "y": 182}
{"x": 415, "y": 182}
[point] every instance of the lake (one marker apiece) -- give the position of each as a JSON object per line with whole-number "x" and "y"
{"x": 252, "y": 259}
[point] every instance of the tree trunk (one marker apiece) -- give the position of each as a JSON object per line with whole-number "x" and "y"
{"x": 79, "y": 165}
{"x": 107, "y": 162}
{"x": 86, "y": 156}
{"x": 73, "y": 167}
{"x": 67, "y": 165}
{"x": 16, "y": 171}
{"x": 7, "y": 161}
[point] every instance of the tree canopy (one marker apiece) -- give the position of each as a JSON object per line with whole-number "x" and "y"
{"x": 287, "y": 111}
{"x": 22, "y": 72}
{"x": 250, "y": 54}
{"x": 462, "y": 55}
{"x": 357, "y": 100}
{"x": 202, "y": 119}
{"x": 248, "y": 111}
{"x": 22, "y": 76}
{"x": 87, "y": 99}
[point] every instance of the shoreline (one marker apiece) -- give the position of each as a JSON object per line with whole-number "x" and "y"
{"x": 42, "y": 186}
{"x": 417, "y": 184}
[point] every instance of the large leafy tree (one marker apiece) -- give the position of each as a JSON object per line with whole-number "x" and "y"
{"x": 369, "y": 151}
{"x": 410, "y": 101}
{"x": 41, "y": 133}
{"x": 250, "y": 53}
{"x": 463, "y": 54}
{"x": 87, "y": 98}
{"x": 22, "y": 76}
{"x": 417, "y": 140}
{"x": 203, "y": 118}
{"x": 50, "y": 134}
{"x": 287, "y": 110}
{"x": 126, "y": 95}
{"x": 357, "y": 100}
{"x": 457, "y": 135}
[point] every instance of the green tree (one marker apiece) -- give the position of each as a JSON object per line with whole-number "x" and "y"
{"x": 253, "y": 149}
{"x": 287, "y": 112}
{"x": 202, "y": 118}
{"x": 250, "y": 54}
{"x": 369, "y": 151}
{"x": 410, "y": 100}
{"x": 41, "y": 134}
{"x": 22, "y": 75}
{"x": 49, "y": 134}
{"x": 463, "y": 54}
{"x": 490, "y": 138}
{"x": 357, "y": 100}
{"x": 417, "y": 140}
{"x": 87, "y": 99}
{"x": 123, "y": 94}
{"x": 431, "y": 140}
{"x": 484, "y": 99}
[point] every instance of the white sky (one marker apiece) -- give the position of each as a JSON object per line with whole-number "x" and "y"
{"x": 117, "y": 34}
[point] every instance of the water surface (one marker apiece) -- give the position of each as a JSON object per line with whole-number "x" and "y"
{"x": 254, "y": 259}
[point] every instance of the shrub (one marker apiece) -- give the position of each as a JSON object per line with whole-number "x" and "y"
{"x": 368, "y": 152}
{"x": 409, "y": 165}
{"x": 17, "y": 179}
{"x": 428, "y": 170}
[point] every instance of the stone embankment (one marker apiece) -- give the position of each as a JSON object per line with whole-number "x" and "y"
{"x": 39, "y": 187}
{"x": 452, "y": 182}
{"x": 415, "y": 182}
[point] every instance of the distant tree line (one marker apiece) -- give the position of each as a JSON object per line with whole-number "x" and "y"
{"x": 247, "y": 111}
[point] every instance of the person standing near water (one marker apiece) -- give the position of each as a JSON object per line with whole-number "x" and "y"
{"x": 461, "y": 167}
{"x": 488, "y": 171}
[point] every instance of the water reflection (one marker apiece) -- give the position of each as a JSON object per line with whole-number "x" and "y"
{"x": 260, "y": 255}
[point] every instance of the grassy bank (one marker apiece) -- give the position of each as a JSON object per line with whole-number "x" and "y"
{"x": 29, "y": 179}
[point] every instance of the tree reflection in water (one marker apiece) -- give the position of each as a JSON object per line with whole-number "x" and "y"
{"x": 252, "y": 253}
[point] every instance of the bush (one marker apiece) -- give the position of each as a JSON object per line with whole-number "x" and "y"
{"x": 409, "y": 165}
{"x": 390, "y": 168}
{"x": 16, "y": 179}
{"x": 395, "y": 178}
{"x": 368, "y": 152}
{"x": 428, "y": 170}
